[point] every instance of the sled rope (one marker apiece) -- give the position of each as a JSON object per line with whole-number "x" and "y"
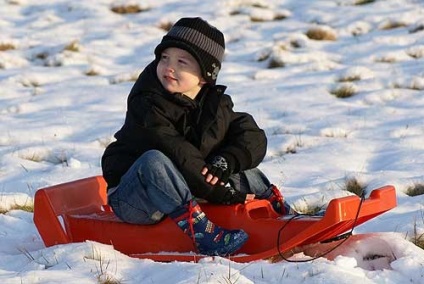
{"x": 344, "y": 237}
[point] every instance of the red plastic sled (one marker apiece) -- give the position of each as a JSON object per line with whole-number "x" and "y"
{"x": 77, "y": 211}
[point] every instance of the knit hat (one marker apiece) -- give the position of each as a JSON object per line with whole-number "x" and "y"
{"x": 203, "y": 41}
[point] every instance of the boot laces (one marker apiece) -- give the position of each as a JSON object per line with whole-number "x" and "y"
{"x": 191, "y": 210}
{"x": 276, "y": 196}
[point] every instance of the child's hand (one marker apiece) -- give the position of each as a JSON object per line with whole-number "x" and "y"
{"x": 219, "y": 169}
{"x": 226, "y": 195}
{"x": 210, "y": 178}
{"x": 234, "y": 197}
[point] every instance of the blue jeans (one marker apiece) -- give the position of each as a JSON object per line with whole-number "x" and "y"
{"x": 153, "y": 187}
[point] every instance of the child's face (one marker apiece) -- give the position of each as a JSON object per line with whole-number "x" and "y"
{"x": 179, "y": 72}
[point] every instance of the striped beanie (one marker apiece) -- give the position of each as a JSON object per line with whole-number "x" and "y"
{"x": 203, "y": 41}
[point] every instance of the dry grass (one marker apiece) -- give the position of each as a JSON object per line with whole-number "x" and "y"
{"x": 25, "y": 207}
{"x": 31, "y": 83}
{"x": 415, "y": 190}
{"x": 107, "y": 279}
{"x": 73, "y": 46}
{"x": 392, "y": 24}
{"x": 263, "y": 55}
{"x": 129, "y": 77}
{"x": 258, "y": 18}
{"x": 259, "y": 4}
{"x": 311, "y": 210}
{"x": 416, "y": 29}
{"x": 386, "y": 59}
{"x": 297, "y": 143}
{"x": 291, "y": 149}
{"x": 35, "y": 156}
{"x": 418, "y": 238}
{"x": 276, "y": 62}
{"x": 42, "y": 55}
{"x": 351, "y": 78}
{"x": 92, "y": 72}
{"x": 414, "y": 84}
{"x": 280, "y": 16}
{"x": 321, "y": 33}
{"x": 363, "y": 2}
{"x": 354, "y": 186}
{"x": 128, "y": 9}
{"x": 276, "y": 59}
{"x": 416, "y": 52}
{"x": 235, "y": 12}
{"x": 166, "y": 26}
{"x": 7, "y": 46}
{"x": 343, "y": 91}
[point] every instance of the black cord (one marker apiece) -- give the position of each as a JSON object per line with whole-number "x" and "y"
{"x": 344, "y": 236}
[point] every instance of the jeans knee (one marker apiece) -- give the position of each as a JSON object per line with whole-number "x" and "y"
{"x": 153, "y": 159}
{"x": 154, "y": 165}
{"x": 153, "y": 155}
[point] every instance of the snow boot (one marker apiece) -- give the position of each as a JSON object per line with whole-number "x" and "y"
{"x": 278, "y": 203}
{"x": 208, "y": 238}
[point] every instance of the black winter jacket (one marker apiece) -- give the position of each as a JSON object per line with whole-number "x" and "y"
{"x": 187, "y": 131}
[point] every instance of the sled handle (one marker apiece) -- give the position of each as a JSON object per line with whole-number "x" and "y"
{"x": 259, "y": 209}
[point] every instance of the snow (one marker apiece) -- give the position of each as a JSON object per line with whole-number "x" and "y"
{"x": 66, "y": 68}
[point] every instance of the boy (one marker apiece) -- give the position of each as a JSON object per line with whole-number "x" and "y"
{"x": 181, "y": 139}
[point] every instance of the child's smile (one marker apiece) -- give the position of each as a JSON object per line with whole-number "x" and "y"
{"x": 179, "y": 72}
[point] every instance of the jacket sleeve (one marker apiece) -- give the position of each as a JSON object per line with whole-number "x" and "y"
{"x": 245, "y": 141}
{"x": 150, "y": 127}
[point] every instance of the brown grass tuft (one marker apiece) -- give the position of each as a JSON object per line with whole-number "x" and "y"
{"x": 343, "y": 91}
{"x": 321, "y": 33}
{"x": 416, "y": 52}
{"x": 392, "y": 24}
{"x": 275, "y": 62}
{"x": 363, "y": 2}
{"x": 128, "y": 9}
{"x": 415, "y": 190}
{"x": 259, "y": 4}
{"x": 386, "y": 59}
{"x": 280, "y": 16}
{"x": 418, "y": 240}
{"x": 7, "y": 46}
{"x": 92, "y": 72}
{"x": 267, "y": 16}
{"x": 25, "y": 207}
{"x": 73, "y": 46}
{"x": 166, "y": 26}
{"x": 417, "y": 28}
{"x": 352, "y": 78}
{"x": 311, "y": 210}
{"x": 418, "y": 237}
{"x": 354, "y": 186}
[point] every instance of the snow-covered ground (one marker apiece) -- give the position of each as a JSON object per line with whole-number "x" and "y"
{"x": 66, "y": 68}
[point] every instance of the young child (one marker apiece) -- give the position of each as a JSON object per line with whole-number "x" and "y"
{"x": 182, "y": 140}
